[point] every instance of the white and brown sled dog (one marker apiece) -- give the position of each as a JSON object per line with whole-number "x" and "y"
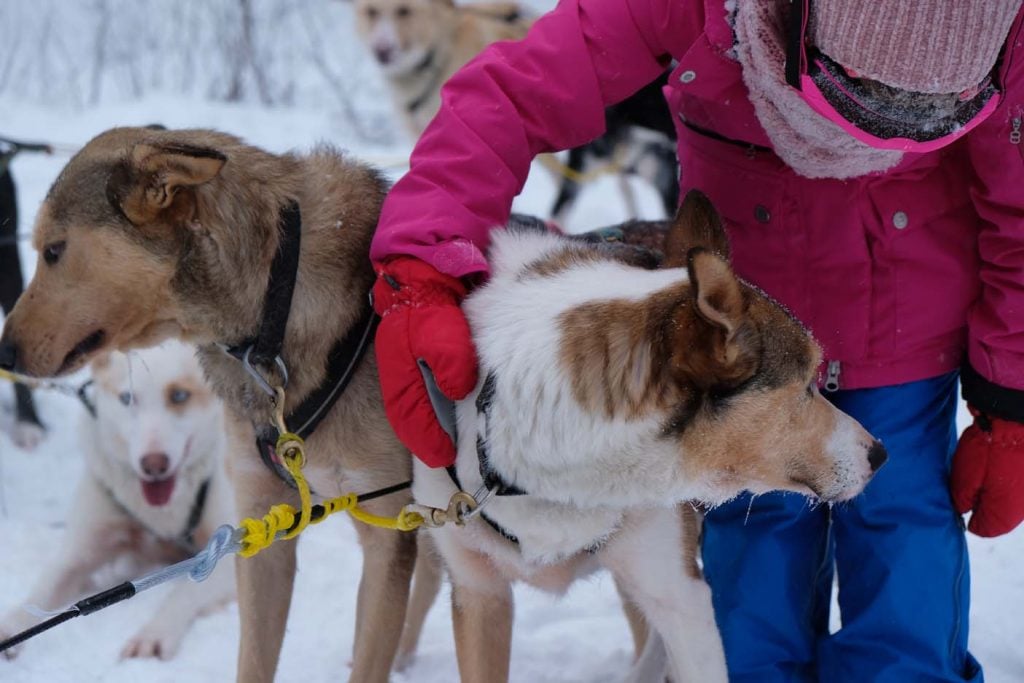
{"x": 609, "y": 395}
{"x": 154, "y": 490}
{"x": 420, "y": 44}
{"x": 148, "y": 235}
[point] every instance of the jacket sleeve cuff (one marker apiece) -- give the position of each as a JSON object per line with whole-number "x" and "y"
{"x": 990, "y": 398}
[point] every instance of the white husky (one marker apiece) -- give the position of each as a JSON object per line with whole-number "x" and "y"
{"x": 154, "y": 489}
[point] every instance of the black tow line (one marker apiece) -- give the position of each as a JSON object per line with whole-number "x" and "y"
{"x": 225, "y": 540}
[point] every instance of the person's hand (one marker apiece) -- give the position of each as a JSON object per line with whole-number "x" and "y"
{"x": 421, "y": 322}
{"x": 988, "y": 474}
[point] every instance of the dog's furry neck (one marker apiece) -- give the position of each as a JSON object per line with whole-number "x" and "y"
{"x": 224, "y": 270}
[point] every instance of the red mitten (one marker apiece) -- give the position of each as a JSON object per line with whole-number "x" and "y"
{"x": 421, "y": 320}
{"x": 988, "y": 474}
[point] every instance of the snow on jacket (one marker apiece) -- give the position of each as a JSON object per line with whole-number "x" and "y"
{"x": 894, "y": 273}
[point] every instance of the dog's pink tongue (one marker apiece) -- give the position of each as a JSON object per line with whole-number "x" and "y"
{"x": 158, "y": 492}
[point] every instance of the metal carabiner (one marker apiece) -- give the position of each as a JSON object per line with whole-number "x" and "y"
{"x": 262, "y": 381}
{"x": 480, "y": 498}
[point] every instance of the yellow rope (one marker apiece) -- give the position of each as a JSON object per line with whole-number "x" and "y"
{"x": 290, "y": 451}
{"x": 261, "y": 533}
{"x": 19, "y": 379}
{"x": 551, "y": 162}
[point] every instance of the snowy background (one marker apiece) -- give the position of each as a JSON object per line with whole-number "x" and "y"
{"x": 283, "y": 74}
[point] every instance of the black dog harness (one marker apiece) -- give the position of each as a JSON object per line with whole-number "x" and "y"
{"x": 492, "y": 479}
{"x": 264, "y": 350}
{"x": 186, "y": 540}
{"x": 424, "y": 65}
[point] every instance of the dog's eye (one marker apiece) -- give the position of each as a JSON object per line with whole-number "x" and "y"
{"x": 52, "y": 252}
{"x": 179, "y": 396}
{"x": 402, "y": 11}
{"x": 371, "y": 13}
{"x": 125, "y": 397}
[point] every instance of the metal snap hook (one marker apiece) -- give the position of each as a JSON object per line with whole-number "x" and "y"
{"x": 260, "y": 379}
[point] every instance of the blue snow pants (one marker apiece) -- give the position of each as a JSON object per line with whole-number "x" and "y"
{"x": 898, "y": 550}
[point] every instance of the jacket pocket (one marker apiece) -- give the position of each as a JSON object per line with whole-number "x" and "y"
{"x": 801, "y": 241}
{"x": 763, "y": 227}
{"x": 925, "y": 244}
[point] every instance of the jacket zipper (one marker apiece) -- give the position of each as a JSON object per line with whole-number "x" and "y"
{"x": 832, "y": 376}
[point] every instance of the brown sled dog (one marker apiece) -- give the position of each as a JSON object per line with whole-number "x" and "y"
{"x": 148, "y": 235}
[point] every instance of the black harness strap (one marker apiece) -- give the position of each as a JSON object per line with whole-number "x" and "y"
{"x": 426, "y": 63}
{"x": 195, "y": 515}
{"x": 265, "y": 348}
{"x": 85, "y": 399}
{"x": 186, "y": 539}
{"x": 492, "y": 478}
{"x": 504, "y": 533}
{"x": 341, "y": 366}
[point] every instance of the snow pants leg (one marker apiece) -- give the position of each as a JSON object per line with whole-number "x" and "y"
{"x": 898, "y": 551}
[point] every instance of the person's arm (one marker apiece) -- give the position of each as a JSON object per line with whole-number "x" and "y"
{"x": 988, "y": 467}
{"x": 544, "y": 93}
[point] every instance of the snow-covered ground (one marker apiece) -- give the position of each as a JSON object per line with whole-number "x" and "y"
{"x": 581, "y": 637}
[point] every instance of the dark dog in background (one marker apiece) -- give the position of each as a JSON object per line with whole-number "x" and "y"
{"x": 640, "y": 138}
{"x": 28, "y": 430}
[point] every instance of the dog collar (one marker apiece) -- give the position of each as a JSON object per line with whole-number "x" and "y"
{"x": 424, "y": 64}
{"x": 341, "y": 366}
{"x": 492, "y": 478}
{"x": 264, "y": 350}
{"x": 186, "y": 540}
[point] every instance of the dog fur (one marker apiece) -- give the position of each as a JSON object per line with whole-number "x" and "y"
{"x": 667, "y": 385}
{"x": 27, "y": 431}
{"x": 157, "y": 425}
{"x": 617, "y": 393}
{"x": 420, "y": 44}
{"x": 148, "y": 235}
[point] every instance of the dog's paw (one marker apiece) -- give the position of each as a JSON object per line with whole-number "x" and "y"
{"x": 27, "y": 435}
{"x": 151, "y": 644}
{"x": 403, "y": 660}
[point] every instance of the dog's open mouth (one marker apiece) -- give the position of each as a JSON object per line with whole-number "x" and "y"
{"x": 158, "y": 492}
{"x": 82, "y": 348}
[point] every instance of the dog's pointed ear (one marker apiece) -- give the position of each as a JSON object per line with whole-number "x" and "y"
{"x": 152, "y": 177}
{"x": 718, "y": 300}
{"x": 697, "y": 224}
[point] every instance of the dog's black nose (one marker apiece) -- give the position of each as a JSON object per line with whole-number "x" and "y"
{"x": 155, "y": 464}
{"x": 8, "y": 355}
{"x": 877, "y": 456}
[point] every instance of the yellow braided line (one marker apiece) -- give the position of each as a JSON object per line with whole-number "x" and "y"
{"x": 261, "y": 533}
{"x": 552, "y": 163}
{"x": 290, "y": 451}
{"x": 18, "y": 379}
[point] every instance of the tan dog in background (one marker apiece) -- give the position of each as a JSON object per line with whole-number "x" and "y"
{"x": 148, "y": 235}
{"x": 154, "y": 490}
{"x": 419, "y": 44}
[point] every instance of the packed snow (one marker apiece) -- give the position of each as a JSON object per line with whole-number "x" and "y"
{"x": 581, "y": 637}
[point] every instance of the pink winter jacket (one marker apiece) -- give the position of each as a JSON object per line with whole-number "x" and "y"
{"x": 895, "y": 273}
